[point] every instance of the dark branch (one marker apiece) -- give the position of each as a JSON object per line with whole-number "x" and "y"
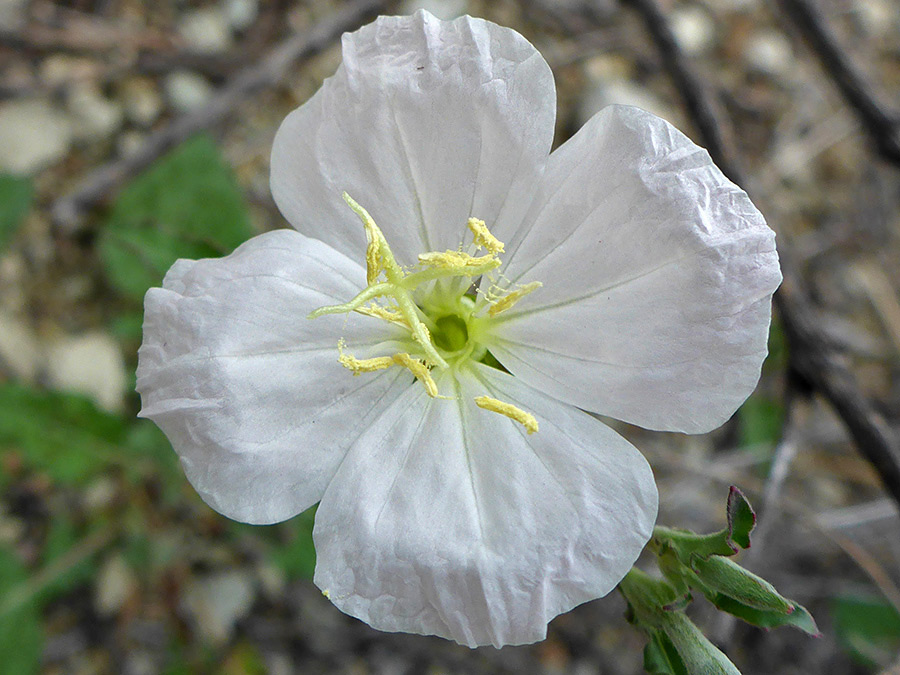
{"x": 68, "y": 211}
{"x": 812, "y": 356}
{"x": 882, "y": 125}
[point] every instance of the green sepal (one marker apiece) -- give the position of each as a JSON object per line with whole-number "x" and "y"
{"x": 688, "y": 545}
{"x": 799, "y": 618}
{"x": 697, "y": 653}
{"x": 741, "y": 518}
{"x": 661, "y": 657}
{"x": 725, "y": 576}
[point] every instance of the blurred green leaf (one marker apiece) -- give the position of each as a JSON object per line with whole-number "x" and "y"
{"x": 296, "y": 556}
{"x": 187, "y": 205}
{"x": 15, "y": 201}
{"x": 867, "y": 628}
{"x": 63, "y": 434}
{"x": 62, "y": 539}
{"x": 21, "y": 636}
{"x": 761, "y": 421}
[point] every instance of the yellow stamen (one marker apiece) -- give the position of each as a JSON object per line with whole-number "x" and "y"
{"x": 420, "y": 370}
{"x": 513, "y": 297}
{"x": 453, "y": 260}
{"x": 527, "y": 420}
{"x": 483, "y": 236}
{"x": 358, "y": 366}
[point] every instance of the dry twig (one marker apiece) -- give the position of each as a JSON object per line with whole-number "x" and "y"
{"x": 68, "y": 211}
{"x": 881, "y": 124}
{"x": 812, "y": 356}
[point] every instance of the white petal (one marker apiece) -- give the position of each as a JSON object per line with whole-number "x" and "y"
{"x": 449, "y": 520}
{"x": 658, "y": 274}
{"x": 425, "y": 124}
{"x": 248, "y": 390}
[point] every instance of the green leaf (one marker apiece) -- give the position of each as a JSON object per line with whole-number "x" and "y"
{"x": 661, "y": 657}
{"x": 741, "y": 518}
{"x": 867, "y": 628}
{"x": 187, "y": 205}
{"x": 728, "y": 578}
{"x": 63, "y": 434}
{"x": 296, "y": 556}
{"x": 799, "y": 618}
{"x": 21, "y": 636}
{"x": 15, "y": 201}
{"x": 761, "y": 420}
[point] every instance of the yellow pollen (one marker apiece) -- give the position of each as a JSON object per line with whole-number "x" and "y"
{"x": 374, "y": 239}
{"x": 358, "y": 366}
{"x": 483, "y": 236}
{"x": 513, "y": 297}
{"x": 527, "y": 420}
{"x": 380, "y": 312}
{"x": 455, "y": 260}
{"x": 419, "y": 369}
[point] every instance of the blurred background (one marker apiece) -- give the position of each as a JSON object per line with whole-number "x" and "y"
{"x": 134, "y": 133}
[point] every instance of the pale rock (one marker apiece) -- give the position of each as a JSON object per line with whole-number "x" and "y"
{"x": 95, "y": 117}
{"x": 623, "y": 92}
{"x": 130, "y": 143}
{"x": 99, "y": 494}
{"x": 877, "y": 17}
{"x": 115, "y": 583}
{"x": 143, "y": 104}
{"x": 13, "y": 13}
{"x": 90, "y": 364}
{"x": 205, "y": 30}
{"x": 216, "y": 602}
{"x": 33, "y": 135}
{"x": 769, "y": 52}
{"x": 694, "y": 29}
{"x": 187, "y": 91}
{"x": 442, "y": 9}
{"x": 241, "y": 13}
{"x": 19, "y": 348}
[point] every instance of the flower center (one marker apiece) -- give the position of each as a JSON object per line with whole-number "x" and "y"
{"x": 450, "y": 333}
{"x": 430, "y": 303}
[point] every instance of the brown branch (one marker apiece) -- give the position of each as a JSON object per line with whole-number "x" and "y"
{"x": 68, "y": 211}
{"x": 881, "y": 124}
{"x": 811, "y": 354}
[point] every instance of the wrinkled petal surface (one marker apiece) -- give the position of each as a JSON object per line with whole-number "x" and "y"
{"x": 658, "y": 274}
{"x": 449, "y": 520}
{"x": 425, "y": 124}
{"x": 246, "y": 388}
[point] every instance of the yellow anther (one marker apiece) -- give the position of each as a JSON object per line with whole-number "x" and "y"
{"x": 483, "y": 236}
{"x": 419, "y": 369}
{"x": 527, "y": 420}
{"x": 365, "y": 365}
{"x": 456, "y": 260}
{"x": 513, "y": 297}
{"x": 327, "y": 593}
{"x": 380, "y": 312}
{"x": 374, "y": 239}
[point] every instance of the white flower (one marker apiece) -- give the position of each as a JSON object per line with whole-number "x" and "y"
{"x": 635, "y": 282}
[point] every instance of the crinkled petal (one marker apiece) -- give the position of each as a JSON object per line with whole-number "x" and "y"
{"x": 247, "y": 389}
{"x": 658, "y": 274}
{"x": 446, "y": 519}
{"x": 425, "y": 124}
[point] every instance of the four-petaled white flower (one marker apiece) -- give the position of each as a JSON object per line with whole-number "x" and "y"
{"x": 622, "y": 275}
